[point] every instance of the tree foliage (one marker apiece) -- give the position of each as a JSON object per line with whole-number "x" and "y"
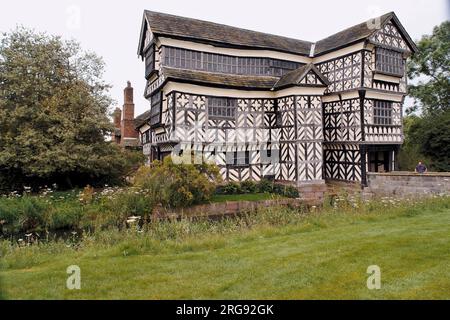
{"x": 427, "y": 134}
{"x": 53, "y": 113}
{"x": 430, "y": 66}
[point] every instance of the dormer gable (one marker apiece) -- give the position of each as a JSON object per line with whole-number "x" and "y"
{"x": 391, "y": 34}
{"x": 307, "y": 75}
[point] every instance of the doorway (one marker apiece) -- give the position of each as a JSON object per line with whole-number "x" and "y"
{"x": 379, "y": 161}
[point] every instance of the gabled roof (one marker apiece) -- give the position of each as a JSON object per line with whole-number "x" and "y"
{"x": 162, "y": 24}
{"x": 295, "y": 77}
{"x": 360, "y": 32}
{"x": 141, "y": 119}
{"x": 220, "y": 79}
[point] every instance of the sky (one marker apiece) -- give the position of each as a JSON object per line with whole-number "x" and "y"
{"x": 111, "y": 28}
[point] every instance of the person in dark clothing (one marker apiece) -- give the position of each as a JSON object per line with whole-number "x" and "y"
{"x": 421, "y": 168}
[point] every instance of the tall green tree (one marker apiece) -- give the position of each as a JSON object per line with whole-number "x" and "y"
{"x": 430, "y": 68}
{"x": 427, "y": 134}
{"x": 53, "y": 113}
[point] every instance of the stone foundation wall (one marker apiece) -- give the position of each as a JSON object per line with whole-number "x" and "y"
{"x": 224, "y": 208}
{"x": 312, "y": 193}
{"x": 406, "y": 184}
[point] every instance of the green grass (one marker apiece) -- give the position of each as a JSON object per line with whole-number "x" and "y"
{"x": 244, "y": 197}
{"x": 321, "y": 256}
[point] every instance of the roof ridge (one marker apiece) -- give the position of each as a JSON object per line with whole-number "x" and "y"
{"x": 352, "y": 26}
{"x": 229, "y": 26}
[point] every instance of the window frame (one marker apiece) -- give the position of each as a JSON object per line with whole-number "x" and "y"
{"x": 214, "y": 62}
{"x": 156, "y": 105}
{"x": 382, "y": 112}
{"x": 221, "y": 108}
{"x": 150, "y": 65}
{"x": 237, "y": 155}
{"x": 390, "y": 62}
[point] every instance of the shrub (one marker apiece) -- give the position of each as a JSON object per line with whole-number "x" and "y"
{"x": 249, "y": 187}
{"x": 230, "y": 188}
{"x": 265, "y": 186}
{"x": 65, "y": 215}
{"x": 22, "y": 213}
{"x": 178, "y": 185}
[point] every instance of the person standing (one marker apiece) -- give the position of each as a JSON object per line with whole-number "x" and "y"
{"x": 421, "y": 168}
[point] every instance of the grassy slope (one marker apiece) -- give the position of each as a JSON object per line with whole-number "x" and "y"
{"x": 322, "y": 258}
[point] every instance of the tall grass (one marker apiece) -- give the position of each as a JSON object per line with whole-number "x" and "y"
{"x": 187, "y": 234}
{"x": 74, "y": 210}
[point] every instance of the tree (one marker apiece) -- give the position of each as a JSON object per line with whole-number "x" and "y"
{"x": 427, "y": 135}
{"x": 430, "y": 66}
{"x": 432, "y": 136}
{"x": 53, "y": 113}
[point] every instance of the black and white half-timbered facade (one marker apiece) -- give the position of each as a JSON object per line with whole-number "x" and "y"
{"x": 260, "y": 105}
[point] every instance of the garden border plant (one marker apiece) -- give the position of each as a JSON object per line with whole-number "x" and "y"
{"x": 262, "y": 186}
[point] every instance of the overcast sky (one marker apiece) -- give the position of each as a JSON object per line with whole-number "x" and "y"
{"x": 111, "y": 28}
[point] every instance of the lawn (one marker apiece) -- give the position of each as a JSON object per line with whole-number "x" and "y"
{"x": 244, "y": 197}
{"x": 322, "y": 257}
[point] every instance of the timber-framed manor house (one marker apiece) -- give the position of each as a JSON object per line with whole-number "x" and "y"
{"x": 261, "y": 105}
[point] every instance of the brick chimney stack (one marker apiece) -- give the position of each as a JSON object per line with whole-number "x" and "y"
{"x": 127, "y": 129}
{"x": 117, "y": 118}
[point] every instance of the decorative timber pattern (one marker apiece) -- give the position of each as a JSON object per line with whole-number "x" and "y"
{"x": 344, "y": 73}
{"x": 290, "y": 135}
{"x": 342, "y": 120}
{"x": 369, "y": 82}
{"x": 309, "y": 138}
{"x": 389, "y": 36}
{"x": 311, "y": 79}
{"x": 282, "y": 138}
{"x": 383, "y": 133}
{"x": 343, "y": 162}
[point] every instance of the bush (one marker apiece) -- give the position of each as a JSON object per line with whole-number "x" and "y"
{"x": 66, "y": 215}
{"x": 178, "y": 185}
{"x": 230, "y": 188}
{"x": 249, "y": 186}
{"x": 22, "y": 213}
{"x": 263, "y": 186}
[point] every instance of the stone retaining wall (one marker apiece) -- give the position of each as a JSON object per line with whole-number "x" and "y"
{"x": 224, "y": 208}
{"x": 405, "y": 184}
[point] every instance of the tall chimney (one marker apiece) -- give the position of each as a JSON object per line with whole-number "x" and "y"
{"x": 127, "y": 129}
{"x": 117, "y": 118}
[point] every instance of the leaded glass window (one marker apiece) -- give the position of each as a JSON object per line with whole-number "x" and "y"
{"x": 212, "y": 62}
{"x": 382, "y": 112}
{"x": 149, "y": 61}
{"x": 224, "y": 108}
{"x": 390, "y": 61}
{"x": 241, "y": 158}
{"x": 156, "y": 106}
